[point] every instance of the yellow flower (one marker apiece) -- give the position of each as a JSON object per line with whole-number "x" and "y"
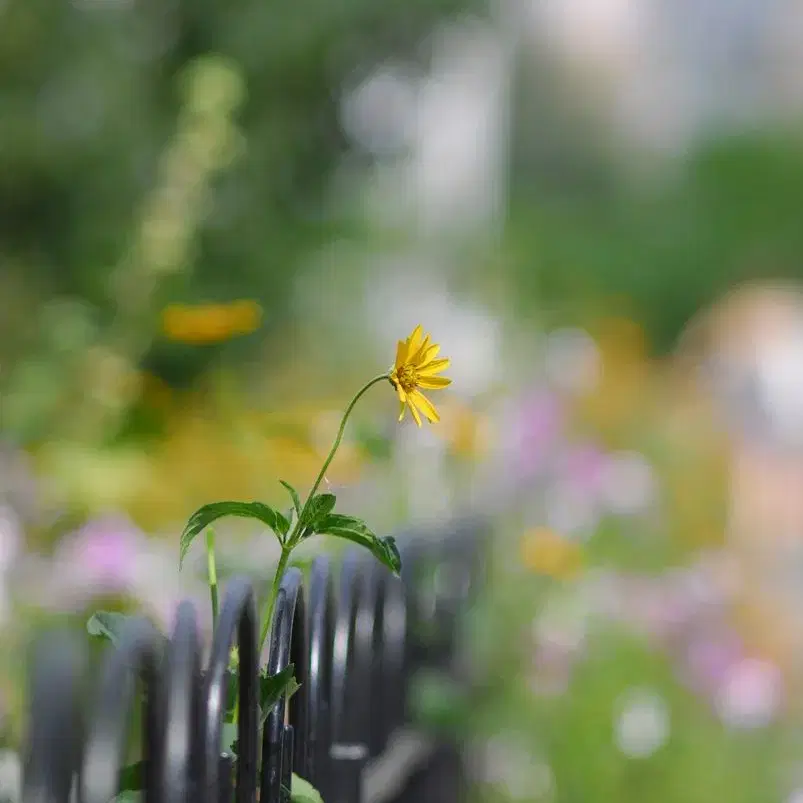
{"x": 545, "y": 552}
{"x": 210, "y": 323}
{"x": 415, "y": 368}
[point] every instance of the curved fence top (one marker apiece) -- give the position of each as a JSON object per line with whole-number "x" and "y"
{"x": 354, "y": 633}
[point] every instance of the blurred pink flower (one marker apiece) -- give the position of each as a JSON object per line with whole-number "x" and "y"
{"x": 102, "y": 555}
{"x": 536, "y": 426}
{"x": 664, "y": 614}
{"x": 750, "y": 694}
{"x": 708, "y": 659}
{"x": 584, "y": 468}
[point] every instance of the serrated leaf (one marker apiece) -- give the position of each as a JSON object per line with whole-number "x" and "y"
{"x": 106, "y": 625}
{"x": 320, "y": 506}
{"x": 294, "y": 496}
{"x": 205, "y": 515}
{"x": 356, "y": 531}
{"x": 272, "y": 687}
{"x": 302, "y": 791}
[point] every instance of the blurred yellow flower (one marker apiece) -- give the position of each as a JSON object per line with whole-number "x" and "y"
{"x": 466, "y": 431}
{"x": 546, "y": 552}
{"x": 415, "y": 368}
{"x": 210, "y": 323}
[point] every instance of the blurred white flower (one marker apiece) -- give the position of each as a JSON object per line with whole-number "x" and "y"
{"x": 642, "y": 723}
{"x": 628, "y": 485}
{"x": 398, "y": 298}
{"x": 379, "y": 113}
{"x": 457, "y": 164}
{"x": 750, "y": 694}
{"x": 572, "y": 361}
{"x": 10, "y": 540}
{"x": 780, "y": 375}
{"x": 10, "y": 776}
{"x": 429, "y": 493}
{"x": 510, "y": 764}
{"x": 571, "y": 511}
{"x": 10, "y": 537}
{"x": 562, "y": 623}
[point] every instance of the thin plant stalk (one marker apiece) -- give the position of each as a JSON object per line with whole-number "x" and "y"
{"x": 212, "y": 573}
{"x": 295, "y": 535}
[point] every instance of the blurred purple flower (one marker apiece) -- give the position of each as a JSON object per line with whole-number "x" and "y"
{"x": 536, "y": 425}
{"x": 707, "y": 660}
{"x": 102, "y": 557}
{"x": 584, "y": 468}
{"x": 663, "y": 614}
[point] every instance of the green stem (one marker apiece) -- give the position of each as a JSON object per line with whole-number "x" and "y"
{"x": 270, "y": 603}
{"x": 212, "y": 569}
{"x": 293, "y": 537}
{"x": 360, "y": 393}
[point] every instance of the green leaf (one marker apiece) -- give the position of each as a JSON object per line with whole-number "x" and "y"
{"x": 204, "y": 516}
{"x": 106, "y": 625}
{"x": 294, "y": 496}
{"x": 302, "y": 791}
{"x": 132, "y": 777}
{"x": 356, "y": 531}
{"x": 320, "y": 506}
{"x": 282, "y": 522}
{"x": 272, "y": 687}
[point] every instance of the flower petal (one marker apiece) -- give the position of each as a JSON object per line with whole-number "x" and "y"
{"x": 418, "y": 399}
{"x": 414, "y": 341}
{"x": 414, "y": 410}
{"x": 402, "y": 394}
{"x": 428, "y": 355}
{"x": 402, "y": 410}
{"x": 415, "y": 358}
{"x": 435, "y": 367}
{"x": 433, "y": 382}
{"x": 401, "y": 353}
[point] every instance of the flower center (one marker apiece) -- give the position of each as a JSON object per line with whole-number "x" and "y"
{"x": 407, "y": 378}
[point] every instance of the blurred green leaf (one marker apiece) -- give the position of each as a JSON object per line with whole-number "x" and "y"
{"x": 294, "y": 496}
{"x": 132, "y": 777}
{"x": 106, "y": 625}
{"x": 319, "y": 506}
{"x": 272, "y": 687}
{"x": 204, "y": 516}
{"x": 356, "y": 531}
{"x": 437, "y": 701}
{"x": 228, "y": 739}
{"x": 303, "y": 791}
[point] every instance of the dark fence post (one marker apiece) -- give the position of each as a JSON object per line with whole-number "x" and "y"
{"x": 55, "y": 731}
{"x": 238, "y": 615}
{"x": 355, "y": 638}
{"x": 139, "y": 651}
{"x": 319, "y": 675}
{"x": 287, "y": 639}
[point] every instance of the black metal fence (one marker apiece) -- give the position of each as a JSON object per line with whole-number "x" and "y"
{"x": 356, "y": 636}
